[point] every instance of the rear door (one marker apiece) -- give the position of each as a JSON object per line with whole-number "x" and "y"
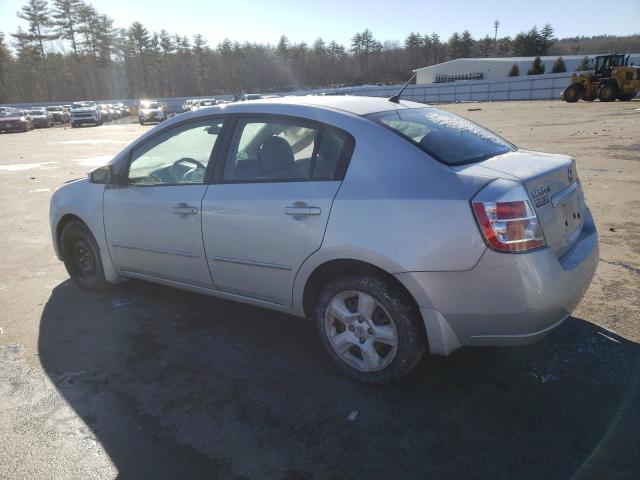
{"x": 269, "y": 206}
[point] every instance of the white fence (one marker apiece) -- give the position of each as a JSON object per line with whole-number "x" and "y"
{"x": 534, "y": 87}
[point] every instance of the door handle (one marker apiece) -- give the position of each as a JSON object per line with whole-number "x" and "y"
{"x": 302, "y": 211}
{"x": 184, "y": 209}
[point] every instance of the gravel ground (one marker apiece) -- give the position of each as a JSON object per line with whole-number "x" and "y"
{"x": 150, "y": 382}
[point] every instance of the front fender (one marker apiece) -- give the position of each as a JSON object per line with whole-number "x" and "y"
{"x": 84, "y": 200}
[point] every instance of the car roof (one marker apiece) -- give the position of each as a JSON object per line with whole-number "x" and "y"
{"x": 357, "y": 105}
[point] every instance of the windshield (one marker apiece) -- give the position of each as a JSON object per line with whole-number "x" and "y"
{"x": 35, "y": 112}
{"x": 150, "y": 105}
{"x": 82, "y": 105}
{"x": 446, "y": 137}
{"x": 14, "y": 114}
{"x": 54, "y": 109}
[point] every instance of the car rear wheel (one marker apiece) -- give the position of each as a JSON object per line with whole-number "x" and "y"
{"x": 369, "y": 328}
{"x": 81, "y": 256}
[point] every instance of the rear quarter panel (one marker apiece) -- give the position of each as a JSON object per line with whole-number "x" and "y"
{"x": 400, "y": 203}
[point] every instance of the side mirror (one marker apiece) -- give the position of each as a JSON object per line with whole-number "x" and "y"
{"x": 102, "y": 175}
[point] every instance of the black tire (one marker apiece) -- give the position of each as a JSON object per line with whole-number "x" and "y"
{"x": 141, "y": 122}
{"x": 608, "y": 92}
{"x": 626, "y": 97}
{"x": 404, "y": 315}
{"x": 73, "y": 125}
{"x": 81, "y": 256}
{"x": 573, "y": 93}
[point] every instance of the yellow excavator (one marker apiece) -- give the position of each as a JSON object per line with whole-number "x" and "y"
{"x": 609, "y": 77}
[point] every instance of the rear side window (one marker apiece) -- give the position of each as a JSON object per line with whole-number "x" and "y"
{"x": 284, "y": 150}
{"x": 446, "y": 137}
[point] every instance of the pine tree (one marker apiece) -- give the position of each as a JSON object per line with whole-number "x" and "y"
{"x": 537, "y": 67}
{"x": 486, "y": 46}
{"x": 466, "y": 44}
{"x": 585, "y": 64}
{"x": 5, "y": 66}
{"x": 454, "y": 46}
{"x": 66, "y": 20}
{"x": 38, "y": 16}
{"x": 514, "y": 71}
{"x": 559, "y": 66}
{"x": 546, "y": 37}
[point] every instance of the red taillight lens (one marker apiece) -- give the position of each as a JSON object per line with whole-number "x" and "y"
{"x": 509, "y": 226}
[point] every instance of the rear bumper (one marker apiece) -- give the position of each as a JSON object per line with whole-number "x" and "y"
{"x": 506, "y": 299}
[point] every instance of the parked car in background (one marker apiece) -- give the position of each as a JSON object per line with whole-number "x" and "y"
{"x": 250, "y": 96}
{"x": 40, "y": 117}
{"x": 116, "y": 112}
{"x": 16, "y": 120}
{"x": 124, "y": 110}
{"x": 151, "y": 111}
{"x": 87, "y": 112}
{"x": 105, "y": 114}
{"x": 5, "y": 110}
{"x": 397, "y": 227}
{"x": 58, "y": 113}
{"x": 188, "y": 105}
{"x": 207, "y": 102}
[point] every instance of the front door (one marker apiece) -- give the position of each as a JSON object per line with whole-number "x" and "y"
{"x": 154, "y": 222}
{"x": 269, "y": 210}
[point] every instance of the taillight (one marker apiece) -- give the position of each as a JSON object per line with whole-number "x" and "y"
{"x": 509, "y": 226}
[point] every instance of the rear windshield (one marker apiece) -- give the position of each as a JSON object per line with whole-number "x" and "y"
{"x": 446, "y": 137}
{"x": 149, "y": 105}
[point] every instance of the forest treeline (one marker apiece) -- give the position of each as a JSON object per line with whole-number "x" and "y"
{"x": 69, "y": 50}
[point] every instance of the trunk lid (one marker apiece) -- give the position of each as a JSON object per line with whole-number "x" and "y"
{"x": 554, "y": 189}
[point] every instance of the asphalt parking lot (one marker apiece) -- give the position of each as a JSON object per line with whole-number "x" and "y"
{"x": 150, "y": 382}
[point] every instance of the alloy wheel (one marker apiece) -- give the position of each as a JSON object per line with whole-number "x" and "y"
{"x": 361, "y": 331}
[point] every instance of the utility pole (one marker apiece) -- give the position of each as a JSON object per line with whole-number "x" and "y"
{"x": 496, "y": 24}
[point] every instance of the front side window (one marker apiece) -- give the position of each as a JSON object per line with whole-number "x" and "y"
{"x": 178, "y": 156}
{"x": 446, "y": 137}
{"x": 283, "y": 150}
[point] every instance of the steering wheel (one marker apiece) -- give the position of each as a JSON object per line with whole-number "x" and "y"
{"x": 190, "y": 160}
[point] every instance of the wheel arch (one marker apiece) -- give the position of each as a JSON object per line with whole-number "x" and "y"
{"x": 64, "y": 220}
{"x": 337, "y": 267}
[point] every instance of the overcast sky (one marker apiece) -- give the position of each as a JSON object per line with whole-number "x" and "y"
{"x": 265, "y": 21}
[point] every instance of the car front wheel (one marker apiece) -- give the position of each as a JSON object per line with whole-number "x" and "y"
{"x": 370, "y": 328}
{"x": 81, "y": 256}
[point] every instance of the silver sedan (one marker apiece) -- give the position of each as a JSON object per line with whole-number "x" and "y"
{"x": 396, "y": 227}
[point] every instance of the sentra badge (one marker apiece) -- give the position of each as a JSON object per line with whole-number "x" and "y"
{"x": 541, "y": 195}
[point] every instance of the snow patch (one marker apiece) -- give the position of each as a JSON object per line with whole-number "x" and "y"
{"x": 19, "y": 167}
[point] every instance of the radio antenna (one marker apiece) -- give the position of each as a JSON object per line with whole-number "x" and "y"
{"x": 396, "y": 97}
